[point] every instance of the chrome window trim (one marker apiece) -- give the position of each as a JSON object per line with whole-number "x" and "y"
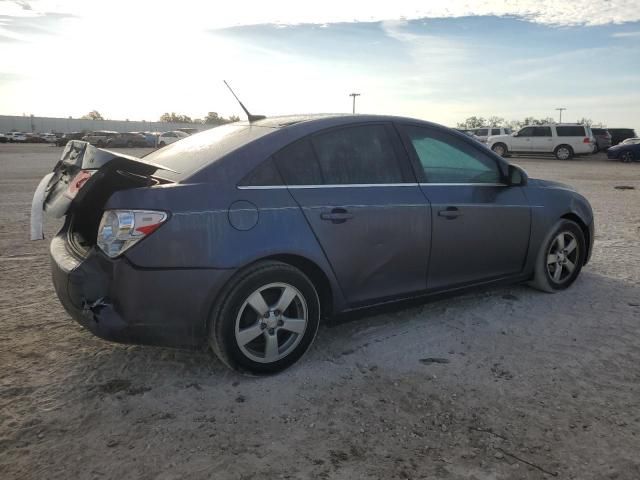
{"x": 361, "y": 185}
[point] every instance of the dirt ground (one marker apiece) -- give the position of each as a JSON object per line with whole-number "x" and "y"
{"x": 507, "y": 383}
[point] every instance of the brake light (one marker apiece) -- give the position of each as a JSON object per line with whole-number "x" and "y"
{"x": 586, "y": 140}
{"x": 78, "y": 182}
{"x": 119, "y": 230}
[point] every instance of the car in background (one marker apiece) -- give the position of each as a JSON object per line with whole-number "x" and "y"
{"x": 603, "y": 138}
{"x": 169, "y": 137}
{"x": 3, "y": 138}
{"x": 563, "y": 140}
{"x": 244, "y": 236}
{"x": 188, "y": 130}
{"x": 127, "y": 140}
{"x": 35, "y": 138}
{"x": 618, "y": 135}
{"x": 483, "y": 133}
{"x": 67, "y": 137}
{"x": 99, "y": 138}
{"x": 49, "y": 137}
{"x": 19, "y": 137}
{"x": 627, "y": 151}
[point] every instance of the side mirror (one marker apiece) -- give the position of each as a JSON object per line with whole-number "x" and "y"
{"x": 514, "y": 134}
{"x": 517, "y": 177}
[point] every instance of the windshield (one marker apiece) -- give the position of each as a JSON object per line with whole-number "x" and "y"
{"x": 190, "y": 154}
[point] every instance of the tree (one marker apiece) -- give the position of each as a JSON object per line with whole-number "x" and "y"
{"x": 213, "y": 118}
{"x": 173, "y": 117}
{"x": 585, "y": 121}
{"x": 494, "y": 121}
{"x": 472, "y": 122}
{"x": 93, "y": 115}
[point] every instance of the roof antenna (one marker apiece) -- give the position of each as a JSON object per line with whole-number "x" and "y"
{"x": 252, "y": 118}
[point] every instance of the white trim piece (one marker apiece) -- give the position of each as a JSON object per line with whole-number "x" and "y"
{"x": 37, "y": 207}
{"x": 362, "y": 185}
{"x": 261, "y": 187}
{"x": 463, "y": 185}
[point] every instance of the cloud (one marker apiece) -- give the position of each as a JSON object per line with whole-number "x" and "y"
{"x": 291, "y": 12}
{"x": 626, "y": 34}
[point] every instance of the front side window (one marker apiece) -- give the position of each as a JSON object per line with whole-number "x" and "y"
{"x": 362, "y": 154}
{"x": 482, "y": 132}
{"x": 446, "y": 159}
{"x": 526, "y": 132}
{"x": 541, "y": 131}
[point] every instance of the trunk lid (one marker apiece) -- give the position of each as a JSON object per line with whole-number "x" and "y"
{"x": 109, "y": 172}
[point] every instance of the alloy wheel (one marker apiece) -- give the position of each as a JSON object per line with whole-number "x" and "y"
{"x": 271, "y": 322}
{"x": 627, "y": 157}
{"x": 499, "y": 149}
{"x": 563, "y": 153}
{"x": 562, "y": 257}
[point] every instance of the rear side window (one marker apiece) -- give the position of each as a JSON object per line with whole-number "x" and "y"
{"x": 447, "y": 159}
{"x": 263, "y": 175}
{"x": 541, "y": 131}
{"x": 495, "y": 131}
{"x": 570, "y": 131}
{"x": 362, "y": 154}
{"x": 298, "y": 165}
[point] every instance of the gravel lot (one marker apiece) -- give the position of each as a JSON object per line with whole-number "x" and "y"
{"x": 505, "y": 383}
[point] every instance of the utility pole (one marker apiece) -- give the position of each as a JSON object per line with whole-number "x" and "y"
{"x": 560, "y": 110}
{"x": 354, "y": 95}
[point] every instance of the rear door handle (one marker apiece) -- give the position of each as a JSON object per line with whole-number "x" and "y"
{"x": 337, "y": 215}
{"x": 450, "y": 213}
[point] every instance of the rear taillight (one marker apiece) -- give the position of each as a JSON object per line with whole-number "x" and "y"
{"x": 586, "y": 140}
{"x": 122, "y": 229}
{"x": 78, "y": 182}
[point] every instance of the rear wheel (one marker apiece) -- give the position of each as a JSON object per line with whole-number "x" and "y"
{"x": 161, "y": 144}
{"x": 266, "y": 320}
{"x": 627, "y": 157}
{"x": 563, "y": 152}
{"x": 560, "y": 258}
{"x": 500, "y": 149}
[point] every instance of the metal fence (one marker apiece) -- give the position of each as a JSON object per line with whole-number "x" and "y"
{"x": 34, "y": 124}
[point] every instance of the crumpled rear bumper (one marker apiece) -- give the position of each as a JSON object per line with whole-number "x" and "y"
{"x": 119, "y": 302}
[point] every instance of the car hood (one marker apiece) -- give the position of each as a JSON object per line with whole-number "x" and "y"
{"x": 537, "y": 182}
{"x": 493, "y": 138}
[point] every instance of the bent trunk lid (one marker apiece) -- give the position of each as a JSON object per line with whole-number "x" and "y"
{"x": 112, "y": 171}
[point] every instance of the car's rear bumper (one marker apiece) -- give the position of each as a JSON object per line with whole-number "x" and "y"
{"x": 118, "y": 301}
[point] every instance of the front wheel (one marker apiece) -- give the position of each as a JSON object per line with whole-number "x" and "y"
{"x": 560, "y": 257}
{"x": 266, "y": 320}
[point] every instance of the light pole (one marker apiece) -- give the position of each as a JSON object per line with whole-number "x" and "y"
{"x": 354, "y": 95}
{"x": 560, "y": 110}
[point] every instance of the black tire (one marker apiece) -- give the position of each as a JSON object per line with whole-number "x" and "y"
{"x": 596, "y": 149}
{"x": 130, "y": 144}
{"x": 232, "y": 308}
{"x": 560, "y": 150}
{"x": 544, "y": 270}
{"x": 161, "y": 144}
{"x": 500, "y": 149}
{"x": 626, "y": 157}
{"x": 99, "y": 144}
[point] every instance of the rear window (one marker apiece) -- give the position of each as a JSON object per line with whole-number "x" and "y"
{"x": 190, "y": 154}
{"x": 570, "y": 131}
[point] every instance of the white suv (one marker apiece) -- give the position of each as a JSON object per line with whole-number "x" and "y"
{"x": 169, "y": 137}
{"x": 563, "y": 140}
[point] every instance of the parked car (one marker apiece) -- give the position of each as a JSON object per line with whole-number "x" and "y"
{"x": 485, "y": 132}
{"x": 49, "y": 137}
{"x": 246, "y": 235}
{"x": 3, "y": 138}
{"x": 188, "y": 130}
{"x": 169, "y": 137}
{"x": 35, "y": 138}
{"x": 563, "y": 140}
{"x": 603, "y": 138}
{"x": 99, "y": 138}
{"x": 62, "y": 141}
{"x": 618, "y": 135}
{"x": 19, "y": 137}
{"x": 127, "y": 140}
{"x": 627, "y": 151}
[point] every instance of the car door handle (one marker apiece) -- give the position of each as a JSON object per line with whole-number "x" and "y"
{"x": 450, "y": 213}
{"x": 337, "y": 215}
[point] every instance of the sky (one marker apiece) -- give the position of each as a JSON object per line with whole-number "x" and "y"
{"x": 440, "y": 61}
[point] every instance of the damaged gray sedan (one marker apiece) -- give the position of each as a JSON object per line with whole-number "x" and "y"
{"x": 244, "y": 236}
